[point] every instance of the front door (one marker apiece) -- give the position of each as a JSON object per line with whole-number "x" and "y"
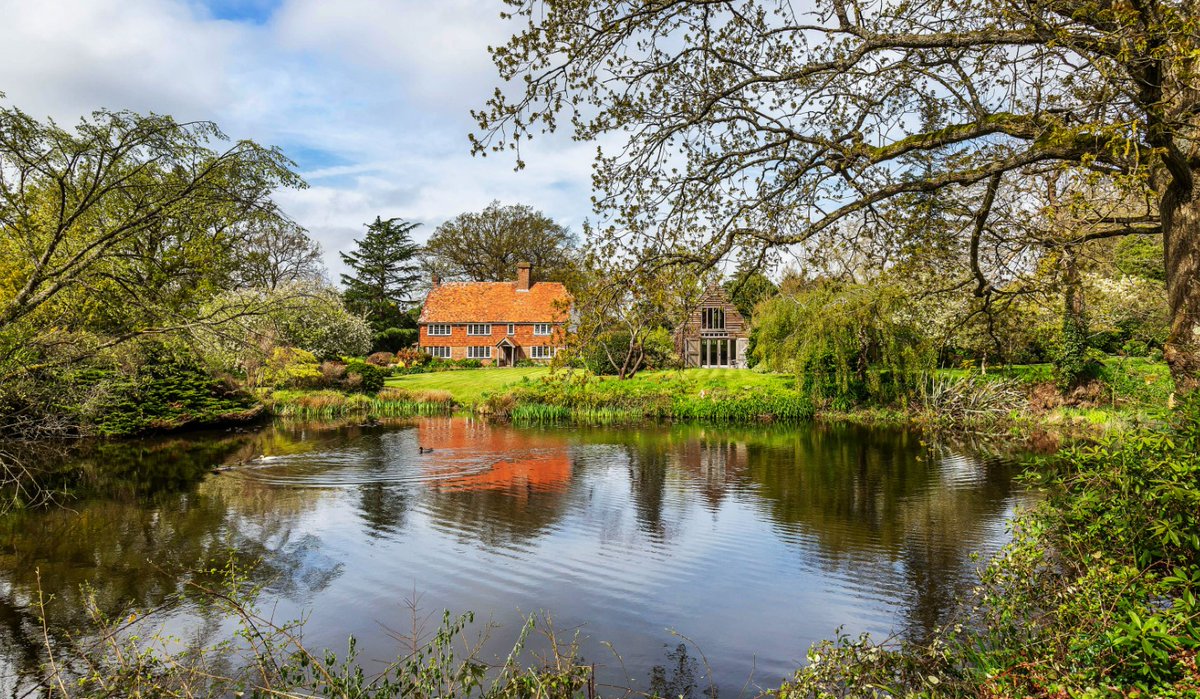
{"x": 508, "y": 355}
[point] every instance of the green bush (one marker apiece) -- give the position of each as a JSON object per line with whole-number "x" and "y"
{"x": 165, "y": 390}
{"x": 363, "y": 378}
{"x": 288, "y": 367}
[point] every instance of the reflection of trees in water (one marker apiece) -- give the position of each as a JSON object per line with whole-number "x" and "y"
{"x": 867, "y": 498}
{"x": 872, "y": 496}
{"x": 140, "y": 552}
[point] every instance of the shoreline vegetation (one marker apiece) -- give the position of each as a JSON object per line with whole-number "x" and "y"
{"x": 1009, "y": 400}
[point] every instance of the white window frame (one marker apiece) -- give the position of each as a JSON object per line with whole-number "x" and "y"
{"x": 435, "y": 329}
{"x": 473, "y": 352}
{"x": 512, "y": 328}
{"x": 472, "y": 329}
{"x": 543, "y": 329}
{"x": 440, "y": 352}
{"x": 541, "y": 352}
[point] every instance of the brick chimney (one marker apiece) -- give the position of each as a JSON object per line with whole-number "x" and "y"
{"x": 436, "y": 279}
{"x": 523, "y": 269}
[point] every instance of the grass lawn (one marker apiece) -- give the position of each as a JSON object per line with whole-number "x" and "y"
{"x": 468, "y": 385}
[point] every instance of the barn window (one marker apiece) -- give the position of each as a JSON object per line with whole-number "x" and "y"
{"x": 712, "y": 319}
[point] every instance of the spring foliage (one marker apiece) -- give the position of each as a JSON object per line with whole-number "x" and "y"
{"x": 845, "y": 342}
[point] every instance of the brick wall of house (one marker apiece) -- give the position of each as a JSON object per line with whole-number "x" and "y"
{"x": 458, "y": 341}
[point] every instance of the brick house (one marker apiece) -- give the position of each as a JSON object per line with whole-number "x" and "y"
{"x": 498, "y": 323}
{"x": 714, "y": 335}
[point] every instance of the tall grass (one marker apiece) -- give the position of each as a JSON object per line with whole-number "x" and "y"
{"x": 608, "y": 402}
{"x": 390, "y": 402}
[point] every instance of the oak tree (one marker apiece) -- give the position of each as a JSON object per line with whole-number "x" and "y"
{"x": 485, "y": 246}
{"x": 751, "y": 124}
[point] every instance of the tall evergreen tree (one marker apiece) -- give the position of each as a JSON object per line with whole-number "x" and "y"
{"x": 384, "y": 273}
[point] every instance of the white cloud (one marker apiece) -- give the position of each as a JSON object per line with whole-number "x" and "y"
{"x": 370, "y": 96}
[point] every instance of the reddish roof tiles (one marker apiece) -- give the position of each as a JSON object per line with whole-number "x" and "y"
{"x": 496, "y": 302}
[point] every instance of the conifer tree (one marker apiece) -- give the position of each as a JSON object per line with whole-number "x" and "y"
{"x": 384, "y": 273}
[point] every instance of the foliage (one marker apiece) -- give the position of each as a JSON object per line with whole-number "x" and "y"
{"x": 363, "y": 378}
{"x": 622, "y": 316}
{"x": 743, "y": 128}
{"x": 305, "y": 316}
{"x": 1141, "y": 256}
{"x": 120, "y": 228}
{"x": 288, "y": 367}
{"x": 971, "y": 399}
{"x": 277, "y": 252}
{"x": 165, "y": 389}
{"x": 1095, "y": 597}
{"x": 747, "y": 289}
{"x": 390, "y": 402}
{"x": 394, "y": 339}
{"x": 384, "y": 273}
{"x": 846, "y": 343}
{"x": 486, "y": 246}
{"x": 381, "y": 359}
{"x": 584, "y": 398}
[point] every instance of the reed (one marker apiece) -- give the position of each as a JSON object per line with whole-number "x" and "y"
{"x": 328, "y": 405}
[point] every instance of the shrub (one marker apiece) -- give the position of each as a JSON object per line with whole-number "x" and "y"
{"x": 166, "y": 389}
{"x": 289, "y": 367}
{"x": 332, "y": 373}
{"x": 467, "y": 363}
{"x": 412, "y": 357}
{"x": 381, "y": 359}
{"x": 363, "y": 378}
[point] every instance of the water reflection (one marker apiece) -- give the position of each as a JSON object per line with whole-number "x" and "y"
{"x": 753, "y": 542}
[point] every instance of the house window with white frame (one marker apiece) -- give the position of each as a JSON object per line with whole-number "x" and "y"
{"x": 542, "y": 328}
{"x": 479, "y": 329}
{"x": 512, "y": 328}
{"x": 541, "y": 352}
{"x": 438, "y": 352}
{"x": 484, "y": 352}
{"x": 438, "y": 329}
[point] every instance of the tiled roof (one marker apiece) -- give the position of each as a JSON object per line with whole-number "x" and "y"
{"x": 496, "y": 302}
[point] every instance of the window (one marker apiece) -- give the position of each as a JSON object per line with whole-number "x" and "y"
{"x": 541, "y": 352}
{"x": 541, "y": 328}
{"x": 512, "y": 329}
{"x": 718, "y": 353}
{"x": 479, "y": 329}
{"x": 712, "y": 319}
{"x": 479, "y": 352}
{"x": 438, "y": 329}
{"x": 439, "y": 352}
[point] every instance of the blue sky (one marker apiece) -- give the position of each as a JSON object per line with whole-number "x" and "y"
{"x": 371, "y": 98}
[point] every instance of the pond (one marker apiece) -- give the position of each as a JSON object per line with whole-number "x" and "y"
{"x": 751, "y": 543}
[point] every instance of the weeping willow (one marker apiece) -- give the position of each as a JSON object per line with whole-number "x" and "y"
{"x": 846, "y": 343}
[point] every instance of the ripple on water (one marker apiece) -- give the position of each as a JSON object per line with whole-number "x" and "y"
{"x": 754, "y": 543}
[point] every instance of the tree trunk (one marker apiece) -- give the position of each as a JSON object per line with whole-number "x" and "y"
{"x": 1181, "y": 243}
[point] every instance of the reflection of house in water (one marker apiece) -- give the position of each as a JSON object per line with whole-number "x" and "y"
{"x": 470, "y": 455}
{"x": 500, "y": 485}
{"x": 719, "y": 462}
